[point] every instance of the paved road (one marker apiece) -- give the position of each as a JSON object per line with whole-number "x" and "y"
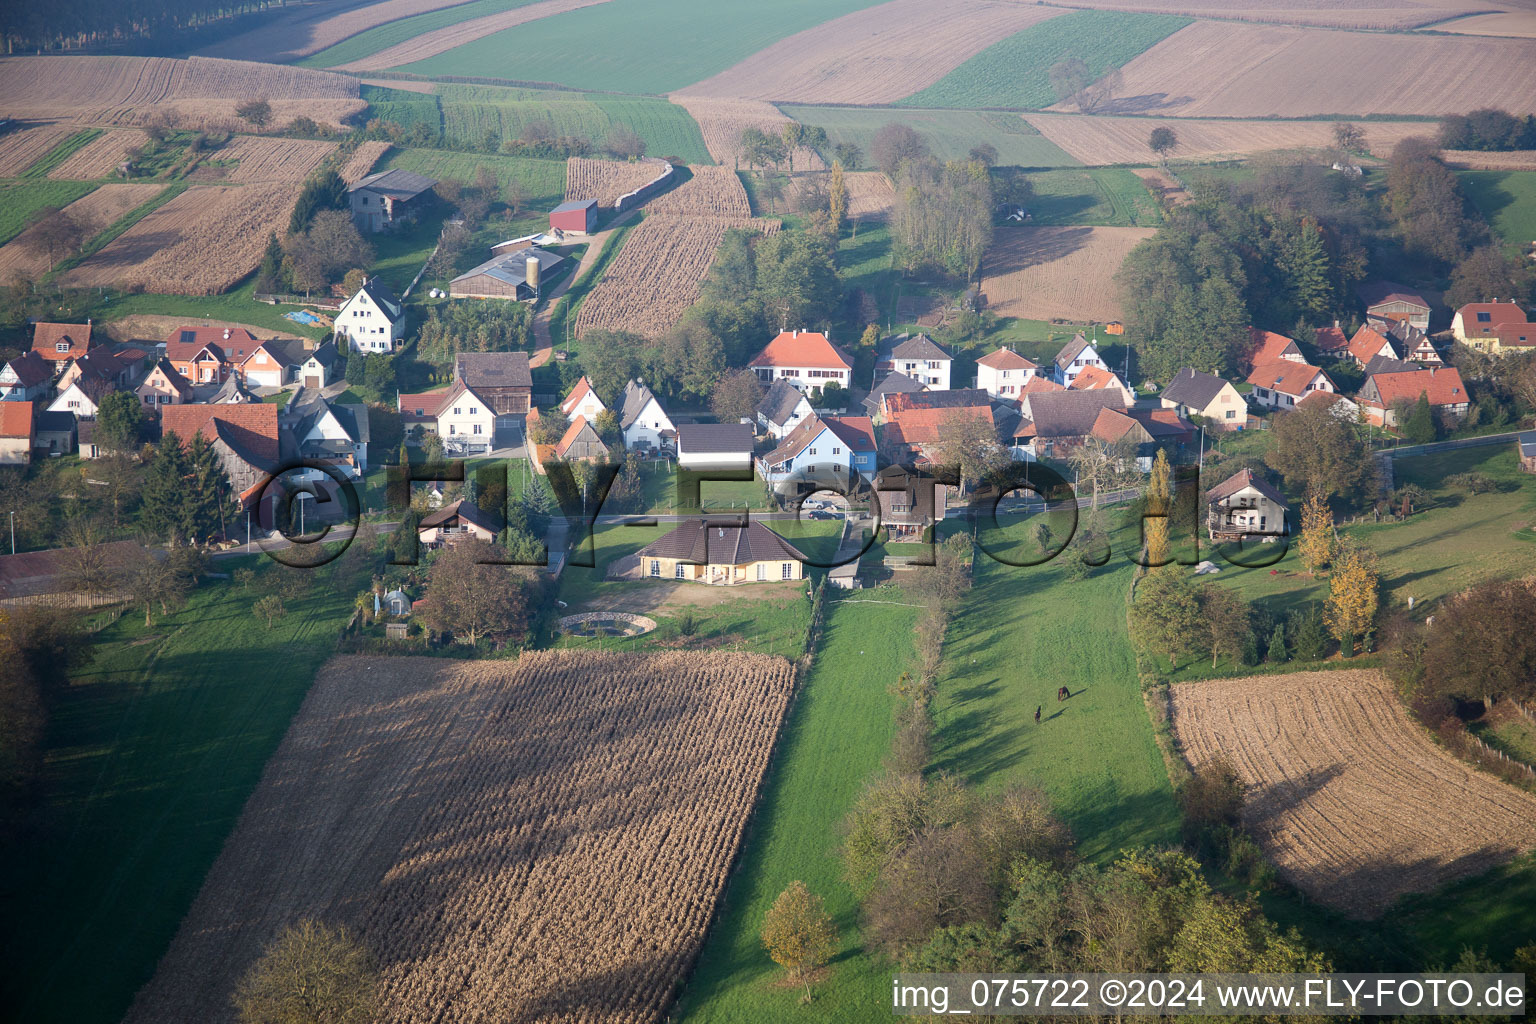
{"x": 1410, "y": 450}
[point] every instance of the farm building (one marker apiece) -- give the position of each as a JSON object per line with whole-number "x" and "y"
{"x": 1526, "y": 442}
{"x": 911, "y": 433}
{"x": 1441, "y": 385}
{"x": 454, "y": 522}
{"x": 644, "y": 422}
{"x": 503, "y": 379}
{"x": 1280, "y": 385}
{"x": 244, "y": 437}
{"x": 807, "y": 359}
{"x": 383, "y": 200}
{"x": 1146, "y": 429}
{"x": 1053, "y": 421}
{"x": 714, "y": 446}
{"x": 719, "y": 554}
{"x": 163, "y": 385}
{"x": 25, "y": 378}
{"x": 515, "y": 275}
{"x": 1391, "y": 301}
{"x": 1002, "y": 373}
{"x": 373, "y": 319}
{"x": 1244, "y": 505}
{"x": 16, "y": 432}
{"x": 580, "y": 443}
{"x": 574, "y": 216}
{"x": 782, "y": 409}
{"x": 59, "y": 343}
{"x": 80, "y": 399}
{"x": 1213, "y": 398}
{"x": 1368, "y": 343}
{"x": 1075, "y": 357}
{"x": 1331, "y": 342}
{"x": 915, "y": 355}
{"x": 582, "y": 402}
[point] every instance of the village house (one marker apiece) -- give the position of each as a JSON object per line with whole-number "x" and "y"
{"x": 318, "y": 367}
{"x": 1268, "y": 347}
{"x": 1095, "y": 378}
{"x": 716, "y": 553}
{"x": 232, "y": 392}
{"x": 1387, "y": 364}
{"x": 582, "y": 402}
{"x": 1477, "y": 324}
{"x": 1002, "y": 374}
{"x": 714, "y": 446}
{"x": 916, "y": 356}
{"x": 99, "y": 366}
{"x": 1338, "y": 405}
{"x": 163, "y": 385}
{"x": 895, "y": 383}
{"x": 60, "y": 343}
{"x": 1075, "y": 357}
{"x": 644, "y": 422}
{"x": 1054, "y": 422}
{"x": 1331, "y": 342}
{"x": 782, "y": 409}
{"x": 333, "y": 433}
{"x": 456, "y": 521}
{"x": 54, "y": 433}
{"x": 1391, "y": 301}
{"x": 807, "y": 359}
{"x": 518, "y": 275}
{"x": 1214, "y": 399}
{"x": 823, "y": 452}
{"x": 372, "y": 320}
{"x": 268, "y": 365}
{"x": 82, "y": 398}
{"x": 26, "y": 378}
{"x": 1525, "y": 444}
{"x": 908, "y": 503}
{"x": 1244, "y": 505}
{"x": 385, "y": 199}
{"x": 1368, "y": 343}
{"x": 465, "y": 421}
{"x": 1383, "y": 392}
{"x": 246, "y": 440}
{"x": 910, "y": 435}
{"x": 503, "y": 379}
{"x": 16, "y": 433}
{"x": 580, "y": 443}
{"x": 418, "y": 412}
{"x": 206, "y": 355}
{"x": 1280, "y": 385}
{"x": 1144, "y": 430}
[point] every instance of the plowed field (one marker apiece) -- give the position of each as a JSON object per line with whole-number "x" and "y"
{"x": 721, "y": 121}
{"x": 24, "y": 147}
{"x": 1042, "y": 273}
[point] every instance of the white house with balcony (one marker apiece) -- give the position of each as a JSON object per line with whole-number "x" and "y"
{"x": 466, "y": 423}
{"x": 1003, "y": 374}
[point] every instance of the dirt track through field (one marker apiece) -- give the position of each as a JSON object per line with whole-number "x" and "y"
{"x": 1097, "y": 140}
{"x": 1353, "y": 802}
{"x": 441, "y": 40}
{"x": 515, "y": 842}
{"x": 877, "y": 55}
{"x": 1042, "y": 273}
{"x": 1231, "y": 70}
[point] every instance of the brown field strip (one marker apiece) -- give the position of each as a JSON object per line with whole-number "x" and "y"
{"x": 1518, "y": 24}
{"x": 711, "y": 192}
{"x": 24, "y": 147}
{"x": 309, "y": 30}
{"x": 199, "y": 92}
{"x": 721, "y": 121}
{"x": 1364, "y": 14}
{"x": 441, "y": 40}
{"x": 870, "y": 194}
{"x": 524, "y": 841}
{"x": 607, "y": 180}
{"x": 1123, "y": 140}
{"x": 1353, "y": 802}
{"x": 264, "y": 159}
{"x": 200, "y": 243}
{"x": 1042, "y": 273}
{"x": 99, "y": 157}
{"x": 1225, "y": 69}
{"x": 1473, "y": 159}
{"x": 877, "y": 55}
{"x": 361, "y": 162}
{"x": 100, "y": 210}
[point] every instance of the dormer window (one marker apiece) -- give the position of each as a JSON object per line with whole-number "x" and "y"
{"x": 61, "y": 346}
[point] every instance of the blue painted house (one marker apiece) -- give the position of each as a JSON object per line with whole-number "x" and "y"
{"x": 824, "y": 451}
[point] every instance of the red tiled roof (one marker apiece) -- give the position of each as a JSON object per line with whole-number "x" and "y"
{"x": 1283, "y": 376}
{"x": 857, "y": 432}
{"x": 1038, "y": 384}
{"x": 429, "y": 402}
{"x": 1516, "y": 335}
{"x": 1367, "y": 342}
{"x": 16, "y": 419}
{"x": 1331, "y": 339}
{"x": 185, "y": 343}
{"x": 251, "y": 425}
{"x": 1006, "y": 359}
{"x": 1111, "y": 425}
{"x": 1093, "y": 378}
{"x": 1498, "y": 313}
{"x": 801, "y": 348}
{"x": 1443, "y": 385}
{"x": 1269, "y": 347}
{"x": 1323, "y": 398}
{"x": 923, "y": 426}
{"x": 46, "y": 336}
{"x": 571, "y": 433}
{"x": 582, "y": 389}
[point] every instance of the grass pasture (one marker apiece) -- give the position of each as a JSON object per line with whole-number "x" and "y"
{"x": 405, "y": 108}
{"x": 1015, "y": 73}
{"x": 404, "y": 29}
{"x": 1507, "y": 199}
{"x": 950, "y": 133}
{"x": 20, "y": 200}
{"x": 1100, "y": 196}
{"x": 543, "y": 180}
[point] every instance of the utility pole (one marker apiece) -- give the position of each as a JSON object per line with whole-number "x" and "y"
{"x": 13, "y": 533}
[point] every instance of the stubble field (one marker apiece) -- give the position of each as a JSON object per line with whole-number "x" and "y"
{"x": 607, "y": 180}
{"x": 1123, "y": 140}
{"x": 99, "y": 210}
{"x": 360, "y": 163}
{"x": 1039, "y": 273}
{"x": 515, "y": 842}
{"x": 100, "y": 157}
{"x": 722, "y": 121}
{"x": 1353, "y": 802}
{"x": 262, "y": 159}
{"x": 23, "y": 147}
{"x": 1367, "y": 14}
{"x": 309, "y": 30}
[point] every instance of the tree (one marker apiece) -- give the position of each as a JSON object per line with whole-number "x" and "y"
{"x": 258, "y": 112}
{"x": 472, "y": 598}
{"x": 54, "y": 233}
{"x": 983, "y": 153}
{"x": 1353, "y": 596}
{"x": 270, "y": 276}
{"x": 848, "y": 154}
{"x": 1166, "y": 617}
{"x": 943, "y": 215}
{"x": 117, "y": 476}
{"x": 1102, "y": 466}
{"x": 1276, "y": 652}
{"x": 1309, "y": 633}
{"x": 837, "y": 197}
{"x": 798, "y": 933}
{"x": 1317, "y": 542}
{"x": 1314, "y": 449}
{"x": 311, "y": 974}
{"x": 1348, "y": 138}
{"x": 797, "y": 278}
{"x": 1420, "y": 425}
{"x": 164, "y": 490}
{"x": 269, "y": 609}
{"x": 968, "y": 444}
{"x": 895, "y": 144}
{"x": 1162, "y": 141}
{"x": 736, "y": 397}
{"x": 326, "y": 250}
{"x": 1069, "y": 80}
{"x": 1159, "y": 509}
{"x": 323, "y": 190}
{"x": 1482, "y": 644}
{"x": 1488, "y": 273}
{"x": 119, "y": 420}
{"x": 1226, "y": 622}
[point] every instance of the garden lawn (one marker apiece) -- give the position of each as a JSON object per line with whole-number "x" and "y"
{"x": 1507, "y": 199}
{"x": 1021, "y": 633}
{"x": 950, "y": 133}
{"x": 838, "y": 731}
{"x": 1015, "y": 73}
{"x": 236, "y": 306}
{"x": 634, "y": 46}
{"x": 151, "y": 754}
{"x": 543, "y": 181}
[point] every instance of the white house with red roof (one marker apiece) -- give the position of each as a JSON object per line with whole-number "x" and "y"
{"x": 60, "y": 343}
{"x": 1097, "y": 378}
{"x": 1282, "y": 384}
{"x": 1368, "y": 343}
{"x": 1003, "y": 374}
{"x": 582, "y": 402}
{"x": 1269, "y": 347}
{"x": 26, "y": 378}
{"x": 1075, "y": 357}
{"x": 807, "y": 359}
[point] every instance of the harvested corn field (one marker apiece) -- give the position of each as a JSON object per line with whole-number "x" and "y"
{"x": 24, "y": 147}
{"x": 878, "y": 55}
{"x": 1230, "y": 70}
{"x": 1353, "y": 802}
{"x": 515, "y": 842}
{"x": 722, "y": 120}
{"x": 1042, "y": 273}
{"x": 264, "y": 159}
{"x": 1478, "y": 160}
{"x": 1521, "y": 24}
{"x": 607, "y": 180}
{"x": 656, "y": 276}
{"x": 198, "y": 92}
{"x": 870, "y": 194}
{"x": 361, "y": 162}
{"x": 200, "y": 243}
{"x": 1123, "y": 140}
{"x": 98, "y": 211}
{"x": 712, "y": 192}
{"x": 101, "y": 156}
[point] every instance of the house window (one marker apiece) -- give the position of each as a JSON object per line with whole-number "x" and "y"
{"x": 477, "y": 428}
{"x": 455, "y": 410}
{"x": 1484, "y": 318}
{"x": 837, "y": 451}
{"x": 762, "y": 570}
{"x": 813, "y": 451}
{"x": 788, "y": 571}
{"x": 1231, "y": 414}
{"x": 655, "y": 567}
{"x": 61, "y": 346}
{"x": 682, "y": 571}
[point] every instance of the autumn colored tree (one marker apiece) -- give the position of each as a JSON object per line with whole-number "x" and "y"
{"x": 798, "y": 933}
{"x": 472, "y": 597}
{"x": 1353, "y": 596}
{"x": 837, "y": 197}
{"x": 736, "y": 396}
{"x": 257, "y": 111}
{"x": 1317, "y": 543}
{"x": 312, "y": 974}
{"x": 1162, "y": 142}
{"x": 1226, "y": 623}
{"x": 269, "y": 608}
{"x": 1159, "y": 508}
{"x": 1166, "y": 617}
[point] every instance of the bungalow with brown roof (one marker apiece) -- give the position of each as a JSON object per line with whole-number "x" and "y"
{"x": 720, "y": 554}
{"x": 1383, "y": 394}
{"x": 456, "y": 521}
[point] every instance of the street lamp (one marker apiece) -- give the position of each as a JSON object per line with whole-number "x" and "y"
{"x": 13, "y": 533}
